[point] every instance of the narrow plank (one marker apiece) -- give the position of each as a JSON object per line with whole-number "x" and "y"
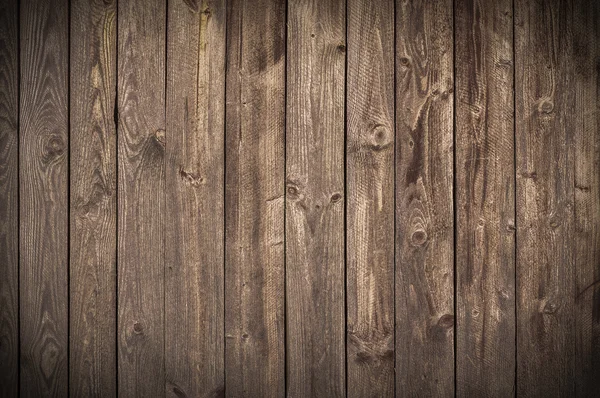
{"x": 485, "y": 203}
{"x": 370, "y": 198}
{"x": 424, "y": 213}
{"x": 194, "y": 180}
{"x": 315, "y": 199}
{"x": 254, "y": 290}
{"x": 544, "y": 99}
{"x": 43, "y": 171}
{"x": 141, "y": 203}
{"x": 93, "y": 199}
{"x": 586, "y": 58}
{"x": 9, "y": 196}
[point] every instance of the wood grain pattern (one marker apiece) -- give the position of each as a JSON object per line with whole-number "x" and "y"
{"x": 93, "y": 182}
{"x": 545, "y": 119}
{"x": 254, "y": 294}
{"x": 370, "y": 200}
{"x": 424, "y": 219}
{"x": 194, "y": 166}
{"x": 315, "y": 199}
{"x": 141, "y": 197}
{"x": 485, "y": 215}
{"x": 43, "y": 171}
{"x": 9, "y": 197}
{"x": 586, "y": 59}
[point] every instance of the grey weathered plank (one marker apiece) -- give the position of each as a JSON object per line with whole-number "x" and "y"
{"x": 93, "y": 182}
{"x": 545, "y": 123}
{"x": 424, "y": 215}
{"x": 370, "y": 198}
{"x": 315, "y": 198}
{"x": 9, "y": 196}
{"x": 586, "y": 58}
{"x": 254, "y": 290}
{"x": 194, "y": 333}
{"x": 485, "y": 203}
{"x": 43, "y": 170}
{"x": 141, "y": 202}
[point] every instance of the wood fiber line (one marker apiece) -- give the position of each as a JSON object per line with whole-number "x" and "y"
{"x": 485, "y": 224}
{"x": 93, "y": 199}
{"x": 141, "y": 201}
{"x": 9, "y": 196}
{"x": 254, "y": 290}
{"x": 194, "y": 208}
{"x": 315, "y": 314}
{"x": 43, "y": 169}
{"x": 424, "y": 199}
{"x": 546, "y": 123}
{"x": 370, "y": 198}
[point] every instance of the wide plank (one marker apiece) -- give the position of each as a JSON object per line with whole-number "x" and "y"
{"x": 44, "y": 206}
{"x": 485, "y": 199}
{"x": 93, "y": 161}
{"x": 315, "y": 294}
{"x": 424, "y": 199}
{"x": 9, "y": 197}
{"x": 370, "y": 198}
{"x": 194, "y": 331}
{"x": 141, "y": 197}
{"x": 254, "y": 200}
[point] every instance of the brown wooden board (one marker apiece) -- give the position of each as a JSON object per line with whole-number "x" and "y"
{"x": 424, "y": 212}
{"x": 43, "y": 201}
{"x": 255, "y": 278}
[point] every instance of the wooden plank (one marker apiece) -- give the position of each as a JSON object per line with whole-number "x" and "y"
{"x": 315, "y": 199}
{"x": 9, "y": 198}
{"x": 370, "y": 200}
{"x": 195, "y": 130}
{"x": 586, "y": 58}
{"x": 485, "y": 204}
{"x": 141, "y": 202}
{"x": 254, "y": 290}
{"x": 424, "y": 213}
{"x": 93, "y": 199}
{"x": 43, "y": 171}
{"x": 545, "y": 116}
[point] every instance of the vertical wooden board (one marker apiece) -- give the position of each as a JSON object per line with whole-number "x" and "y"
{"x": 424, "y": 199}
{"x": 315, "y": 313}
{"x": 586, "y": 59}
{"x": 194, "y": 177}
{"x": 485, "y": 204}
{"x": 545, "y": 115}
{"x": 93, "y": 199}
{"x": 141, "y": 204}
{"x": 254, "y": 290}
{"x": 9, "y": 196}
{"x": 43, "y": 170}
{"x": 370, "y": 198}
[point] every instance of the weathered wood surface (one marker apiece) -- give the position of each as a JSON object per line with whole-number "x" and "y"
{"x": 254, "y": 215}
{"x": 485, "y": 204}
{"x": 93, "y": 179}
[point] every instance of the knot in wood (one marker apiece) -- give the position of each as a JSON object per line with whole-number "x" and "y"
{"x": 54, "y": 147}
{"x": 446, "y": 321}
{"x": 419, "y": 237}
{"x": 138, "y": 328}
{"x": 336, "y": 197}
{"x": 160, "y": 137}
{"x": 551, "y": 307}
{"x": 381, "y": 138}
{"x": 546, "y": 107}
{"x": 404, "y": 61}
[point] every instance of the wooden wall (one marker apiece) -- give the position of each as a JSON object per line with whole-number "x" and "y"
{"x": 302, "y": 198}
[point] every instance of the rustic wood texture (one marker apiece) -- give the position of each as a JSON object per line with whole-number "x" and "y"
{"x": 255, "y": 278}
{"x": 315, "y": 199}
{"x": 43, "y": 183}
{"x": 141, "y": 197}
{"x": 93, "y": 217}
{"x": 485, "y": 204}
{"x": 586, "y": 58}
{"x": 370, "y": 198}
{"x": 9, "y": 198}
{"x": 545, "y": 127}
{"x": 424, "y": 219}
{"x": 194, "y": 339}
